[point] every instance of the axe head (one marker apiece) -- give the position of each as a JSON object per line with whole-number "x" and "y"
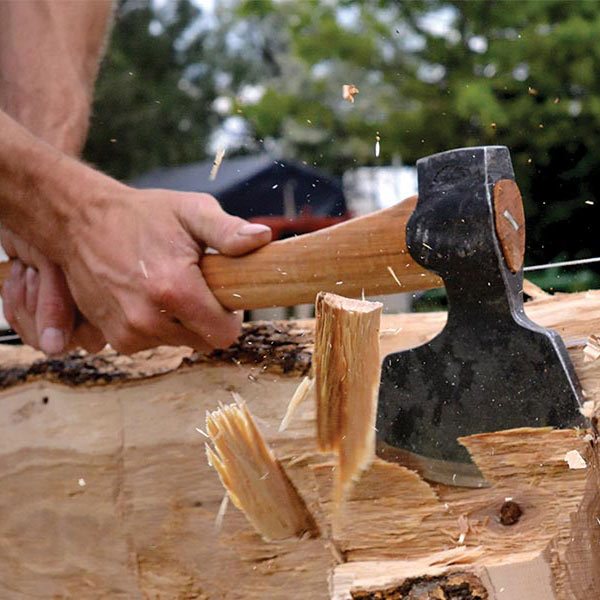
{"x": 491, "y": 368}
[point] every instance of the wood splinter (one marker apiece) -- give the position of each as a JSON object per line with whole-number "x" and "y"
{"x": 256, "y": 482}
{"x": 347, "y": 370}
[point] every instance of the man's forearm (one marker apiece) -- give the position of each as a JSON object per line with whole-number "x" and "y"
{"x": 43, "y": 191}
{"x": 49, "y": 56}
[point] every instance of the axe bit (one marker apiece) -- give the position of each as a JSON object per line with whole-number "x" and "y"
{"x": 491, "y": 368}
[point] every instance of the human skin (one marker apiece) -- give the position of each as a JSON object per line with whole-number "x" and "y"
{"x": 49, "y": 58}
{"x": 98, "y": 260}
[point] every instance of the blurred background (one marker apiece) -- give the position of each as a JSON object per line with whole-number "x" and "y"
{"x": 262, "y": 80}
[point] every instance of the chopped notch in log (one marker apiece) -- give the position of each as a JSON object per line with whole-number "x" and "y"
{"x": 255, "y": 480}
{"x": 347, "y": 370}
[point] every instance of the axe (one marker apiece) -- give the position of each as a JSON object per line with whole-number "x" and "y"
{"x": 491, "y": 367}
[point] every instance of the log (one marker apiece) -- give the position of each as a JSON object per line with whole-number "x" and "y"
{"x": 105, "y": 491}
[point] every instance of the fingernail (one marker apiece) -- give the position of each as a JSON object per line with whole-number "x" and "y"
{"x": 253, "y": 229}
{"x": 52, "y": 340}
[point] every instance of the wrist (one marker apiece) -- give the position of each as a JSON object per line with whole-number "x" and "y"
{"x": 80, "y": 199}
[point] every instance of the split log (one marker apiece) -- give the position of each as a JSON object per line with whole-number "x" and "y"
{"x": 254, "y": 479}
{"x": 105, "y": 491}
{"x": 347, "y": 371}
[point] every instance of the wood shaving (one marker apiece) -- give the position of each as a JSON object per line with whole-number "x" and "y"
{"x": 575, "y": 460}
{"x": 393, "y": 274}
{"x": 221, "y": 513}
{"x": 301, "y": 393}
{"x": 349, "y": 91}
{"x": 217, "y": 163}
{"x": 463, "y": 528}
{"x": 588, "y": 410}
{"x": 591, "y": 351}
{"x": 255, "y": 481}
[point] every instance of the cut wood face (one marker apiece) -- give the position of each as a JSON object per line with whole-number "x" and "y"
{"x": 142, "y": 524}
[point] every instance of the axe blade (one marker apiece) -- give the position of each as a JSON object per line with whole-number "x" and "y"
{"x": 491, "y": 368}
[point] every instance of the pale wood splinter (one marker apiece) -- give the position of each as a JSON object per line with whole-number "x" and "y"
{"x": 347, "y": 369}
{"x": 255, "y": 480}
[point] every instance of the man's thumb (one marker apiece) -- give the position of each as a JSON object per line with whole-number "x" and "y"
{"x": 211, "y": 225}
{"x": 55, "y": 312}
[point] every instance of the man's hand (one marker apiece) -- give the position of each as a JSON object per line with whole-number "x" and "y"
{"x": 38, "y": 305}
{"x": 132, "y": 265}
{"x": 130, "y": 257}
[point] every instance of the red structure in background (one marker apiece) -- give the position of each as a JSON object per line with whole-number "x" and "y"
{"x": 284, "y": 227}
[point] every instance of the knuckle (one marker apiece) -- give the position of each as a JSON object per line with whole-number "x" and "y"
{"x": 136, "y": 325}
{"x": 124, "y": 341}
{"x": 140, "y": 324}
{"x": 162, "y": 292}
{"x": 198, "y": 205}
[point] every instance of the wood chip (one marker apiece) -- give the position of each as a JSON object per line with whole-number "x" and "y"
{"x": 217, "y": 163}
{"x": 349, "y": 91}
{"x": 255, "y": 481}
{"x": 592, "y": 349}
{"x": 301, "y": 393}
{"x": 221, "y": 513}
{"x": 347, "y": 370}
{"x": 575, "y": 460}
{"x": 588, "y": 410}
{"x": 463, "y": 528}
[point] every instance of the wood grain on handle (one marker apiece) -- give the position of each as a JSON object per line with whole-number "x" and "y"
{"x": 4, "y": 270}
{"x": 346, "y": 259}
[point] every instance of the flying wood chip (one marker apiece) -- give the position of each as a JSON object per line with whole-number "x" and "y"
{"x": 349, "y": 91}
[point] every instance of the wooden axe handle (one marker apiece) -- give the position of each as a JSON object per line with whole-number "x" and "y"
{"x": 366, "y": 254}
{"x": 362, "y": 254}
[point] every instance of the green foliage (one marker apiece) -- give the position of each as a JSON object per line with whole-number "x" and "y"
{"x": 432, "y": 75}
{"x": 154, "y": 97}
{"x": 437, "y": 74}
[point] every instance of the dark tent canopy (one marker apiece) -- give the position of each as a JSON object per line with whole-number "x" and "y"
{"x": 254, "y": 186}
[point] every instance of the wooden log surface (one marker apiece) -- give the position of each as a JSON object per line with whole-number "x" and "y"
{"x": 105, "y": 491}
